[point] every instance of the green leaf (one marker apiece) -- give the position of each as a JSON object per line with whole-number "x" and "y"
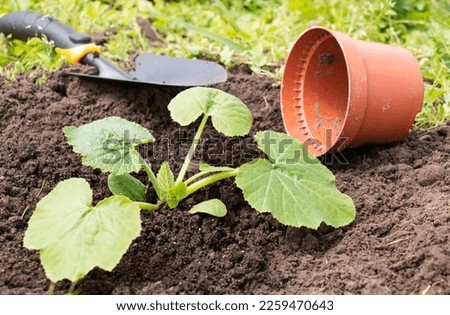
{"x": 214, "y": 207}
{"x": 126, "y": 185}
{"x": 109, "y": 144}
{"x": 165, "y": 177}
{"x": 294, "y": 186}
{"x": 283, "y": 149}
{"x": 73, "y": 237}
{"x": 175, "y": 194}
{"x": 229, "y": 115}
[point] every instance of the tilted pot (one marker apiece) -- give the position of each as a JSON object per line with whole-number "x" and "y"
{"x": 338, "y": 92}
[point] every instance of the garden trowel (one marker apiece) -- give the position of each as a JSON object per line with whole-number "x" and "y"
{"x": 77, "y": 47}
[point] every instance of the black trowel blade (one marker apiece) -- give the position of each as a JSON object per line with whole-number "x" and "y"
{"x": 167, "y": 70}
{"x": 158, "y": 70}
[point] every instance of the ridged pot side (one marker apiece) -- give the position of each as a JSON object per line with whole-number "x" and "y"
{"x": 338, "y": 92}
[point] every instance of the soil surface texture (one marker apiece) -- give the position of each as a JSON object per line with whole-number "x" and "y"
{"x": 398, "y": 243}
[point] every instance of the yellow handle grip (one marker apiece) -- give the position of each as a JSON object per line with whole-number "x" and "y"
{"x": 75, "y": 54}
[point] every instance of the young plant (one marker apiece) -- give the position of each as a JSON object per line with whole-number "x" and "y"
{"x": 73, "y": 236}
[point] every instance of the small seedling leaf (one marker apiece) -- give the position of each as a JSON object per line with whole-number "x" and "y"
{"x": 73, "y": 236}
{"x": 214, "y": 207}
{"x": 175, "y": 194}
{"x": 229, "y": 114}
{"x": 127, "y": 185}
{"x": 109, "y": 144}
{"x": 165, "y": 177}
{"x": 293, "y": 186}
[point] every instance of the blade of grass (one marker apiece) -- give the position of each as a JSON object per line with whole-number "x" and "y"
{"x": 193, "y": 28}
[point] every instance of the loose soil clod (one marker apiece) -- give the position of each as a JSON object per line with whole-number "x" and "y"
{"x": 398, "y": 243}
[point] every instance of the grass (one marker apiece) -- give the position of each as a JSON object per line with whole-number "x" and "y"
{"x": 253, "y": 32}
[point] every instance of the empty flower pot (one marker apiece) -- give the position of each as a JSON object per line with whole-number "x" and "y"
{"x": 338, "y": 92}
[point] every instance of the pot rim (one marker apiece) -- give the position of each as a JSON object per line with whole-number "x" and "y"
{"x": 356, "y": 89}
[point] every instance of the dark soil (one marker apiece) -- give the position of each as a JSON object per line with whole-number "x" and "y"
{"x": 398, "y": 243}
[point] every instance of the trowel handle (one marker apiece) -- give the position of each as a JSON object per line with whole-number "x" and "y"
{"x": 74, "y": 46}
{"x": 23, "y": 25}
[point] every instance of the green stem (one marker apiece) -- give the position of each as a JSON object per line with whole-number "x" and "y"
{"x": 191, "y": 152}
{"x": 72, "y": 288}
{"x": 51, "y": 288}
{"x": 147, "y": 206}
{"x": 210, "y": 180}
{"x": 196, "y": 176}
{"x": 151, "y": 177}
{"x": 206, "y": 172}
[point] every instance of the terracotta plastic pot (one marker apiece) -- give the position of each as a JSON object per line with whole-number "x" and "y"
{"x": 338, "y": 92}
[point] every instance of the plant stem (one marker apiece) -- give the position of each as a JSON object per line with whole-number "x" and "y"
{"x": 72, "y": 288}
{"x": 206, "y": 172}
{"x": 210, "y": 180}
{"x": 147, "y": 206}
{"x": 151, "y": 177}
{"x": 196, "y": 176}
{"x": 51, "y": 289}
{"x": 203, "y": 173}
{"x": 191, "y": 152}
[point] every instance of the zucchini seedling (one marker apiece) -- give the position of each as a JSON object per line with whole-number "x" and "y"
{"x": 74, "y": 236}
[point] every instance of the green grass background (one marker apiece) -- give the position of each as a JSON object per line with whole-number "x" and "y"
{"x": 253, "y": 32}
